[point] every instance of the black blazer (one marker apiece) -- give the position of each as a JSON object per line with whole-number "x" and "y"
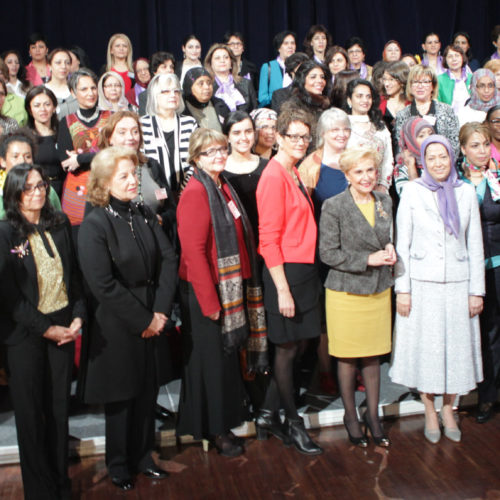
{"x": 130, "y": 275}
{"x": 247, "y": 90}
{"x": 19, "y": 315}
{"x": 249, "y": 68}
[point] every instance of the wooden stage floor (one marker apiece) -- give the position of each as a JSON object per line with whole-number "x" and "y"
{"x": 411, "y": 468}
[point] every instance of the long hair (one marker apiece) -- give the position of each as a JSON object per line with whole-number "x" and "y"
{"x": 21, "y": 74}
{"x": 41, "y": 89}
{"x": 299, "y": 89}
{"x": 234, "y": 64}
{"x": 110, "y": 58}
{"x": 374, "y": 113}
{"x": 12, "y": 191}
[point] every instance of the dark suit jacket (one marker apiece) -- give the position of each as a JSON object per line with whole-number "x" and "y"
{"x": 346, "y": 240}
{"x": 19, "y": 315}
{"x": 279, "y": 97}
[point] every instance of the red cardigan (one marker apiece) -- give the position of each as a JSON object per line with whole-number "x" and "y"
{"x": 198, "y": 263}
{"x": 287, "y": 228}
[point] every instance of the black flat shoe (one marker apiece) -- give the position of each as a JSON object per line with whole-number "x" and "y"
{"x": 161, "y": 413}
{"x": 123, "y": 484}
{"x": 484, "y": 412}
{"x": 361, "y": 441}
{"x": 268, "y": 422}
{"x": 155, "y": 473}
{"x": 381, "y": 440}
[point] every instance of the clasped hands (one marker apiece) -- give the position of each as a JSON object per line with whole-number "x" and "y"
{"x": 385, "y": 257}
{"x": 156, "y": 326}
{"x": 62, "y": 334}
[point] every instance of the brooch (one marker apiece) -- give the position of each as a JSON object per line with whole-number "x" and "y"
{"x": 380, "y": 210}
{"x": 21, "y": 250}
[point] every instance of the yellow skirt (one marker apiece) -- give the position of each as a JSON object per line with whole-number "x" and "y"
{"x": 358, "y": 325}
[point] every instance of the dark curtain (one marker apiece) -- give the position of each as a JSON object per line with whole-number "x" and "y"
{"x": 155, "y": 24}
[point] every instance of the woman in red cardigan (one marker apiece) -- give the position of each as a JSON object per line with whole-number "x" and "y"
{"x": 287, "y": 242}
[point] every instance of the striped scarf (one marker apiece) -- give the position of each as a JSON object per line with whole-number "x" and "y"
{"x": 243, "y": 321}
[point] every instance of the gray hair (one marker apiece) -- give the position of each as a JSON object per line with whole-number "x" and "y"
{"x": 80, "y": 73}
{"x": 328, "y": 120}
{"x": 154, "y": 89}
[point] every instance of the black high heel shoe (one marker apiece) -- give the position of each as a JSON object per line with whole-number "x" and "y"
{"x": 268, "y": 422}
{"x": 298, "y": 435}
{"x": 382, "y": 440}
{"x": 361, "y": 441}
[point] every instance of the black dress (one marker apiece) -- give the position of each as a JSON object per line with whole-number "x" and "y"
{"x": 47, "y": 156}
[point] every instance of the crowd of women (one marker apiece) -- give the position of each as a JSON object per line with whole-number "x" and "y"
{"x": 257, "y": 213}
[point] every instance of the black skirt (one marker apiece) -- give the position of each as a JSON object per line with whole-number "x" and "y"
{"x": 305, "y": 286}
{"x": 213, "y": 398}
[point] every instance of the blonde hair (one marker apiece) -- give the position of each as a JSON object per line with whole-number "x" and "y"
{"x": 493, "y": 65}
{"x": 208, "y": 61}
{"x": 102, "y": 169}
{"x": 417, "y": 72}
{"x": 109, "y": 57}
{"x": 470, "y": 128}
{"x": 351, "y": 157}
{"x": 200, "y": 139}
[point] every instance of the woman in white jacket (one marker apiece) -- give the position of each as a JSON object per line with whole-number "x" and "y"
{"x": 439, "y": 287}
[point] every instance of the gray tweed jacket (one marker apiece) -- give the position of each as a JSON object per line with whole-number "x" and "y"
{"x": 346, "y": 239}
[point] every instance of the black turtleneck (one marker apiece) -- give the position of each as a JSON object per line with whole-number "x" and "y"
{"x": 122, "y": 207}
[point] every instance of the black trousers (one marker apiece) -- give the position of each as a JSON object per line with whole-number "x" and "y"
{"x": 490, "y": 338}
{"x": 39, "y": 383}
{"x": 130, "y": 427}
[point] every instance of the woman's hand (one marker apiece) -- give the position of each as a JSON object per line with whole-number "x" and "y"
{"x": 70, "y": 163}
{"x": 475, "y": 305}
{"x": 76, "y": 326}
{"x": 382, "y": 258}
{"x": 286, "y": 303}
{"x": 214, "y": 316}
{"x": 393, "y": 257}
{"x": 156, "y": 326}
{"x": 411, "y": 165}
{"x": 403, "y": 304}
{"x": 59, "y": 334}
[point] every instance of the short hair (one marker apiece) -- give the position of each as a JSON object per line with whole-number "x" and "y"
{"x": 102, "y": 169}
{"x": 294, "y": 60}
{"x": 234, "y": 118}
{"x": 395, "y": 42}
{"x": 327, "y": 120}
{"x": 495, "y": 33}
{"x": 336, "y": 49}
{"x": 20, "y": 135}
{"x": 200, "y": 139}
{"x": 53, "y": 52}
{"x": 399, "y": 70}
{"x": 352, "y": 156}
{"x": 470, "y": 128}
{"x": 107, "y": 131}
{"x": 316, "y": 28}
{"x": 80, "y": 73}
{"x": 154, "y": 90}
{"x": 279, "y": 38}
{"x": 293, "y": 114}
{"x": 158, "y": 58}
{"x": 32, "y": 93}
{"x": 417, "y": 72}
{"x": 234, "y": 65}
{"x": 491, "y": 111}
{"x": 109, "y": 57}
{"x": 454, "y": 48}
{"x": 36, "y": 37}
{"x": 493, "y": 65}
{"x": 355, "y": 40}
{"x": 229, "y": 34}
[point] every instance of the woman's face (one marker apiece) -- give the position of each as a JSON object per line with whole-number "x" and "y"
{"x": 60, "y": 65}
{"x": 477, "y": 150}
{"x": 165, "y": 68}
{"x": 42, "y": 108}
{"x": 438, "y": 161}
{"x": 266, "y": 132}
{"x": 422, "y": 135}
{"x": 287, "y": 48}
{"x": 17, "y": 152}
{"x": 203, "y": 89}
{"x": 12, "y": 62}
{"x": 409, "y": 61}
{"x": 192, "y": 50}
{"x": 422, "y": 88}
{"x": 119, "y": 49}
{"x": 485, "y": 88}
{"x": 336, "y": 138}
{"x": 75, "y": 63}
{"x": 494, "y": 125}
{"x": 356, "y": 55}
{"x": 318, "y": 42}
{"x": 213, "y": 159}
{"x": 236, "y": 46}
{"x": 112, "y": 89}
{"x": 38, "y": 51}
{"x": 361, "y": 100}
{"x": 221, "y": 61}
{"x": 168, "y": 98}
{"x": 337, "y": 64}
{"x": 363, "y": 176}
{"x": 392, "y": 53}
{"x": 296, "y": 141}
{"x": 142, "y": 71}
{"x": 127, "y": 134}
{"x": 242, "y": 136}
{"x": 391, "y": 85}
{"x": 432, "y": 45}
{"x": 462, "y": 42}
{"x": 454, "y": 60}
{"x": 123, "y": 184}
{"x": 315, "y": 81}
{"x": 33, "y": 200}
{"x": 86, "y": 92}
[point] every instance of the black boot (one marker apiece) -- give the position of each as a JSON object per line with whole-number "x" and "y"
{"x": 300, "y": 438}
{"x": 268, "y": 422}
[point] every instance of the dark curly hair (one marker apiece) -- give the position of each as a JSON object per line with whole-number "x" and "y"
{"x": 374, "y": 113}
{"x": 299, "y": 89}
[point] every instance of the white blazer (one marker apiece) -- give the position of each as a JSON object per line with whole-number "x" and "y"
{"x": 427, "y": 252}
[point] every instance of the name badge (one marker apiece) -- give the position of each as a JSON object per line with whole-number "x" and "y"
{"x": 430, "y": 119}
{"x": 234, "y": 209}
{"x": 161, "y": 194}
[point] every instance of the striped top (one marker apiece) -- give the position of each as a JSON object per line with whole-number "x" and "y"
{"x": 155, "y": 146}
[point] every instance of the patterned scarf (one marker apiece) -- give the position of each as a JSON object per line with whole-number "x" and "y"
{"x": 488, "y": 175}
{"x": 241, "y": 323}
{"x": 475, "y": 101}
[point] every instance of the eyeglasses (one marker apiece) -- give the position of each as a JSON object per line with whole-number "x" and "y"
{"x": 212, "y": 152}
{"x": 41, "y": 186}
{"x": 421, "y": 83}
{"x": 295, "y": 138}
{"x": 482, "y": 86}
{"x": 112, "y": 86}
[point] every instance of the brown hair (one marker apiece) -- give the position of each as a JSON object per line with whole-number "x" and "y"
{"x": 458, "y": 50}
{"x": 200, "y": 139}
{"x": 208, "y": 61}
{"x": 470, "y": 128}
{"x": 290, "y": 115}
{"x": 417, "y": 72}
